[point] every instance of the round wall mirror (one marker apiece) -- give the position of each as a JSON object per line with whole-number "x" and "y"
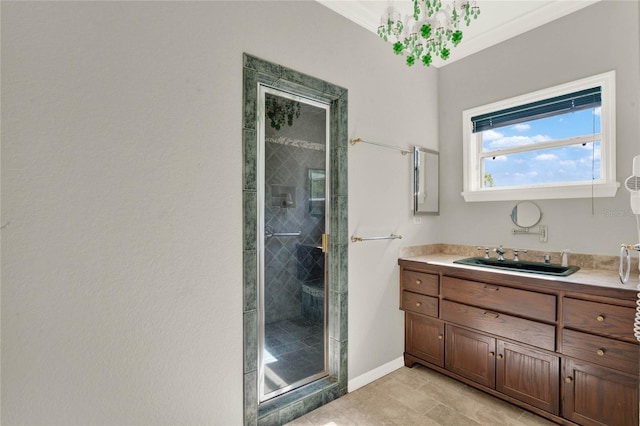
{"x": 526, "y": 214}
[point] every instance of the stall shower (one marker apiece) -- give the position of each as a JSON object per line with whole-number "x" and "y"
{"x": 293, "y": 343}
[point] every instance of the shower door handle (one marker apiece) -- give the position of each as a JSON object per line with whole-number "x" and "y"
{"x": 286, "y": 234}
{"x": 325, "y": 243}
{"x": 282, "y": 234}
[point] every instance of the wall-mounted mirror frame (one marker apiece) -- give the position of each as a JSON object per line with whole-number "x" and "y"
{"x": 426, "y": 171}
{"x": 526, "y": 214}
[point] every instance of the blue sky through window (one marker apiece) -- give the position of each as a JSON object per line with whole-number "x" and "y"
{"x": 569, "y": 163}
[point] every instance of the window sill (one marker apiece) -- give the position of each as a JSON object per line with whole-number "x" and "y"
{"x": 599, "y": 190}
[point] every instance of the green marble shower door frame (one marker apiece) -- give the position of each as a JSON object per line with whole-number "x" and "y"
{"x": 295, "y": 403}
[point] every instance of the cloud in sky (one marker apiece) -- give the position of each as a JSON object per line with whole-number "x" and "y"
{"x": 511, "y": 141}
{"x": 589, "y": 160}
{"x": 491, "y": 135}
{"x": 530, "y": 174}
{"x": 546, "y": 157}
{"x": 521, "y": 127}
{"x": 592, "y": 151}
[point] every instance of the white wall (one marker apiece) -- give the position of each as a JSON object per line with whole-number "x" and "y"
{"x": 380, "y": 203}
{"x": 599, "y": 38}
{"x": 121, "y": 200}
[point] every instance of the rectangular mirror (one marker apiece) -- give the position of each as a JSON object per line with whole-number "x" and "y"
{"x": 316, "y": 192}
{"x": 425, "y": 181}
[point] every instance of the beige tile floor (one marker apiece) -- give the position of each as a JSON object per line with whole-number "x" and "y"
{"x": 419, "y": 396}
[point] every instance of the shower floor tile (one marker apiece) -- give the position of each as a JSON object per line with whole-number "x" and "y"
{"x": 294, "y": 350}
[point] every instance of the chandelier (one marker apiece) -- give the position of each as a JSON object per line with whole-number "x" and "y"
{"x": 281, "y": 111}
{"x": 430, "y": 32}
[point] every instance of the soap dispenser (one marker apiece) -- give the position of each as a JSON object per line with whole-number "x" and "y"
{"x": 564, "y": 254}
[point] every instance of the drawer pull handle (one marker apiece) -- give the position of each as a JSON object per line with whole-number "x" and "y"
{"x": 600, "y": 352}
{"x": 491, "y": 314}
{"x": 568, "y": 379}
{"x": 418, "y": 304}
{"x": 492, "y": 287}
{"x": 418, "y": 282}
{"x": 439, "y": 336}
{"x": 492, "y": 353}
{"x": 600, "y": 318}
{"x": 499, "y": 356}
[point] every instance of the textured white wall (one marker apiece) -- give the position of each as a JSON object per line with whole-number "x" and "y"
{"x": 121, "y": 196}
{"x": 599, "y": 38}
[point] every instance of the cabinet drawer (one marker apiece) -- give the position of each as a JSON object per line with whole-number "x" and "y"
{"x": 419, "y": 303}
{"x": 420, "y": 282}
{"x": 601, "y": 350}
{"x": 530, "y": 304}
{"x": 599, "y": 318}
{"x": 522, "y": 330}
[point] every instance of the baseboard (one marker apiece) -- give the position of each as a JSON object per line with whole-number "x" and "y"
{"x": 375, "y": 374}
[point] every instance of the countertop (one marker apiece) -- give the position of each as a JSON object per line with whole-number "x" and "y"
{"x": 591, "y": 277}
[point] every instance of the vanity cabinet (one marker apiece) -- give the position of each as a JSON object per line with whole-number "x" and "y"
{"x": 515, "y": 370}
{"x": 562, "y": 350}
{"x": 424, "y": 332}
{"x": 528, "y": 375}
{"x": 600, "y": 371}
{"x": 472, "y": 355}
{"x": 424, "y": 338}
{"x": 595, "y": 395}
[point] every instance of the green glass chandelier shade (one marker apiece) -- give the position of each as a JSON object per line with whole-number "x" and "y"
{"x": 430, "y": 33}
{"x": 281, "y": 111}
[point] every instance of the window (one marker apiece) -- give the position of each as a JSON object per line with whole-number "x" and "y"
{"x": 554, "y": 143}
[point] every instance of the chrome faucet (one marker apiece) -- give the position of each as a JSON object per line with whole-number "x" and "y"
{"x": 547, "y": 258}
{"x": 486, "y": 251}
{"x": 515, "y": 254}
{"x": 500, "y": 252}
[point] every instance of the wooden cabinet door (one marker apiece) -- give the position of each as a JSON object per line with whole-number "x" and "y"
{"x": 424, "y": 338}
{"x": 528, "y": 375}
{"x": 594, "y": 395}
{"x": 471, "y": 355}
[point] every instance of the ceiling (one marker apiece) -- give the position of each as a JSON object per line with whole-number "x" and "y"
{"x": 499, "y": 20}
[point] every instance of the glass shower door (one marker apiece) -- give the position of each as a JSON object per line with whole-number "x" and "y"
{"x": 292, "y": 219}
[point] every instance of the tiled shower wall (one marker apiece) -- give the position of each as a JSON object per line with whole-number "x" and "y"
{"x": 286, "y": 164}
